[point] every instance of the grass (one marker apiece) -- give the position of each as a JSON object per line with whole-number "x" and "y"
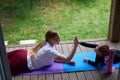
{"x": 83, "y": 18}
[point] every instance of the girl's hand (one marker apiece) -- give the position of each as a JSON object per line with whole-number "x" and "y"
{"x": 85, "y": 59}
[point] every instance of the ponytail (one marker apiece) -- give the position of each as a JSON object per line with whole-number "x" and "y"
{"x": 34, "y": 50}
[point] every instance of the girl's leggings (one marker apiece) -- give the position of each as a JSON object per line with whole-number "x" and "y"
{"x": 17, "y": 61}
{"x": 117, "y": 56}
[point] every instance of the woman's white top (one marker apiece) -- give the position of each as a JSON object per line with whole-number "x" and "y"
{"x": 44, "y": 57}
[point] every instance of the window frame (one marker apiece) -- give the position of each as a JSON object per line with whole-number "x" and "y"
{"x": 5, "y": 73}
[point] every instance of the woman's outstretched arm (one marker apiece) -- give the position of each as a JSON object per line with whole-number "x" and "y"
{"x": 68, "y": 59}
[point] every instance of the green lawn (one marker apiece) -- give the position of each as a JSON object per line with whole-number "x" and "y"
{"x": 87, "y": 19}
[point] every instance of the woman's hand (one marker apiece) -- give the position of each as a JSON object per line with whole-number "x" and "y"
{"x": 76, "y": 42}
{"x": 85, "y": 59}
{"x": 72, "y": 62}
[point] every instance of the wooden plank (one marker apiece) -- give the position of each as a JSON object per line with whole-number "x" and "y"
{"x": 103, "y": 76}
{"x": 113, "y": 76}
{"x": 57, "y": 77}
{"x": 87, "y": 74}
{"x": 81, "y": 76}
{"x": 59, "y": 48}
{"x": 73, "y": 75}
{"x": 26, "y": 77}
{"x": 13, "y": 78}
{"x": 64, "y": 48}
{"x": 41, "y": 77}
{"x": 34, "y": 77}
{"x": 49, "y": 77}
{"x": 65, "y": 76}
{"x": 96, "y": 75}
{"x": 18, "y": 78}
{"x": 116, "y": 72}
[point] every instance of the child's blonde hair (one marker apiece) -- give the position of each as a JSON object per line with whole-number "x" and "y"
{"x": 49, "y": 35}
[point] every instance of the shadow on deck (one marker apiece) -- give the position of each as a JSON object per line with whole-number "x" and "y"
{"x": 65, "y": 47}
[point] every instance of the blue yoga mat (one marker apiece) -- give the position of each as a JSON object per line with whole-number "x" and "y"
{"x": 84, "y": 66}
{"x": 80, "y": 65}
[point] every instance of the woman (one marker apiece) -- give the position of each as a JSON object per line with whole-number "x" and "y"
{"x": 44, "y": 54}
{"x": 104, "y": 55}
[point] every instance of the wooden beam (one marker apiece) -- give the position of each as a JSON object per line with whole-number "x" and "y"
{"x": 114, "y": 25}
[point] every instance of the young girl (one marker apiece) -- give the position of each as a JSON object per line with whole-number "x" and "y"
{"x": 104, "y": 55}
{"x": 42, "y": 55}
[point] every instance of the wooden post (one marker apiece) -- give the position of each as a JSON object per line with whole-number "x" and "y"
{"x": 114, "y": 25}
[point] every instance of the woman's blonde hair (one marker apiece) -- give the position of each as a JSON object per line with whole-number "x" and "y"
{"x": 103, "y": 49}
{"x": 50, "y": 34}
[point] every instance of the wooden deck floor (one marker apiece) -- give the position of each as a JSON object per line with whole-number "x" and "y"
{"x": 65, "y": 47}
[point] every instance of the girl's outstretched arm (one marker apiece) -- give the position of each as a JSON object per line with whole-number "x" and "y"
{"x": 90, "y": 45}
